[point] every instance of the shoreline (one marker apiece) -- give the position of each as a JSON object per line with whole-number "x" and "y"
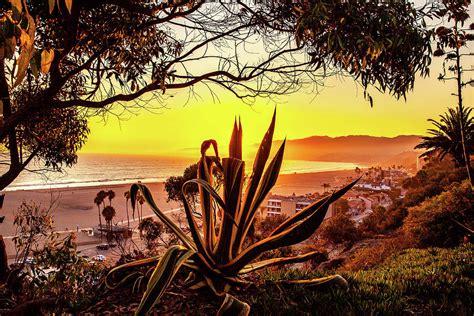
{"x": 117, "y": 183}
{"x": 74, "y": 207}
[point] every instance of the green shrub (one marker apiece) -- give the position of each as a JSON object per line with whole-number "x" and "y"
{"x": 430, "y": 181}
{"x": 433, "y": 223}
{"x": 382, "y": 220}
{"x": 339, "y": 228}
{"x": 152, "y": 231}
{"x": 415, "y": 281}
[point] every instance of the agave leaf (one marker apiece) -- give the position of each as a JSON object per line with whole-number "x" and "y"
{"x": 292, "y": 235}
{"x": 277, "y": 261}
{"x": 122, "y": 281}
{"x": 193, "y": 227}
{"x": 258, "y": 167}
{"x": 210, "y": 190}
{"x": 207, "y": 144}
{"x": 233, "y": 181}
{"x": 194, "y": 281}
{"x": 127, "y": 266}
{"x": 162, "y": 216}
{"x": 329, "y": 280}
{"x": 136, "y": 285}
{"x": 310, "y": 208}
{"x": 233, "y": 307}
{"x": 205, "y": 173}
{"x": 235, "y": 145}
{"x": 268, "y": 181}
{"x": 162, "y": 276}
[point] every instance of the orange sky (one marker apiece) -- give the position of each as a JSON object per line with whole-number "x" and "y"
{"x": 338, "y": 110}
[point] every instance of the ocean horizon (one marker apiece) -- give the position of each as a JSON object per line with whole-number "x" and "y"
{"x": 110, "y": 169}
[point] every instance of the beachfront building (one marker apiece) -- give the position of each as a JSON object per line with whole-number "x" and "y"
{"x": 380, "y": 199}
{"x": 275, "y": 205}
{"x": 373, "y": 186}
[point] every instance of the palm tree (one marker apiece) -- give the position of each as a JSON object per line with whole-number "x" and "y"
{"x": 127, "y": 197}
{"x": 358, "y": 171}
{"x": 98, "y": 200}
{"x": 141, "y": 200}
{"x": 110, "y": 196}
{"x": 326, "y": 186}
{"x": 446, "y": 138}
{"x": 109, "y": 213}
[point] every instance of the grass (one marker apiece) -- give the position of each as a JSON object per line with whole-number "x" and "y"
{"x": 428, "y": 281}
{"x": 431, "y": 281}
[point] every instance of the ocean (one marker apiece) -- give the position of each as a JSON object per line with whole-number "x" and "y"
{"x": 100, "y": 169}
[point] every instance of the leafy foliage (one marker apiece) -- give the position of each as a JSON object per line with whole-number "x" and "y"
{"x": 268, "y": 224}
{"x": 48, "y": 270}
{"x": 432, "y": 223}
{"x": 382, "y": 220}
{"x": 32, "y": 224}
{"x": 56, "y": 135}
{"x": 430, "y": 181}
{"x": 174, "y": 184}
{"x": 419, "y": 281}
{"x": 152, "y": 230}
{"x": 339, "y": 228}
{"x": 446, "y": 137}
{"x": 109, "y": 56}
{"x": 383, "y": 57}
{"x": 341, "y": 206}
{"x": 60, "y": 272}
{"x": 217, "y": 254}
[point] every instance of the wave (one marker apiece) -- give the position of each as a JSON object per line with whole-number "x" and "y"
{"x": 111, "y": 171}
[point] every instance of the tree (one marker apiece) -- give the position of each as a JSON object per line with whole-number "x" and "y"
{"x": 152, "y": 231}
{"x": 326, "y": 186}
{"x": 174, "y": 184}
{"x": 339, "y": 228}
{"x": 268, "y": 224}
{"x": 341, "y": 206}
{"x": 109, "y": 213}
{"x": 63, "y": 61}
{"x": 141, "y": 201}
{"x": 358, "y": 171}
{"x": 435, "y": 221}
{"x": 98, "y": 200}
{"x": 127, "y": 198}
{"x": 447, "y": 136}
{"x": 110, "y": 196}
{"x": 451, "y": 42}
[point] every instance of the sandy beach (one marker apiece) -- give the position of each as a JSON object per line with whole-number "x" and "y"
{"x": 74, "y": 207}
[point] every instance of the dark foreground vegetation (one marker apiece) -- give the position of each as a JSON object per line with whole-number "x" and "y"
{"x": 420, "y": 281}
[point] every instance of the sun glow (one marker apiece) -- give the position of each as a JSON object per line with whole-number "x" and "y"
{"x": 339, "y": 109}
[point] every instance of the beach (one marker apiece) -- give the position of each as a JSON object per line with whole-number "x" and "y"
{"x": 73, "y": 208}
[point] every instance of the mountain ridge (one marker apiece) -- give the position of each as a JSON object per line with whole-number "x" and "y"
{"x": 363, "y": 149}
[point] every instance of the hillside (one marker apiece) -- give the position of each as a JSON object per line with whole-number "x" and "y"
{"x": 355, "y": 148}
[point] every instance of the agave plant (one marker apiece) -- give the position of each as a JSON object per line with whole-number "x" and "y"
{"x": 215, "y": 253}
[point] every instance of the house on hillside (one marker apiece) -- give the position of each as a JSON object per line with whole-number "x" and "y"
{"x": 275, "y": 205}
{"x": 381, "y": 199}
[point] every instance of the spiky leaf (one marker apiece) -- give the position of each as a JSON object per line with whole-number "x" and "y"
{"x": 162, "y": 276}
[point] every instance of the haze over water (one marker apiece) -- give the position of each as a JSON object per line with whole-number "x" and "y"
{"x": 100, "y": 169}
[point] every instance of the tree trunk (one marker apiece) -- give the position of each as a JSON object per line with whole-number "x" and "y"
{"x": 100, "y": 223}
{"x": 467, "y": 157}
{"x": 3, "y": 261}
{"x": 128, "y": 218}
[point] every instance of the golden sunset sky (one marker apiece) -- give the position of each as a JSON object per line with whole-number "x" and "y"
{"x": 338, "y": 110}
